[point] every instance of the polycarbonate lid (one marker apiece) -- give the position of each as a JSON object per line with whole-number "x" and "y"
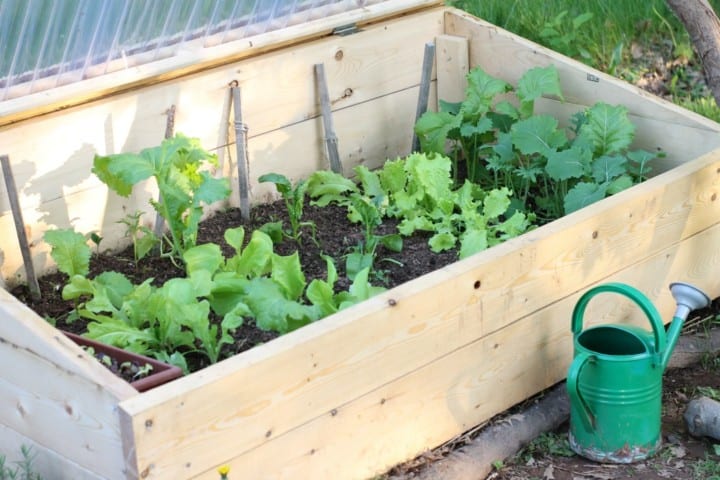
{"x": 51, "y": 43}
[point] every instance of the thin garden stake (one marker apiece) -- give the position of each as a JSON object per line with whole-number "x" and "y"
{"x": 169, "y": 132}
{"x": 20, "y": 227}
{"x": 424, "y": 94}
{"x": 241, "y": 130}
{"x": 331, "y": 140}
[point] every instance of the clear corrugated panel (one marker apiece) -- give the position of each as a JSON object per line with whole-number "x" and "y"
{"x": 47, "y": 43}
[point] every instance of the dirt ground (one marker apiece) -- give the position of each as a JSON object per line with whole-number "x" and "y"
{"x": 681, "y": 457}
{"x": 549, "y": 457}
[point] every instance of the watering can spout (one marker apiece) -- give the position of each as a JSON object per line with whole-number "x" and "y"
{"x": 688, "y": 298}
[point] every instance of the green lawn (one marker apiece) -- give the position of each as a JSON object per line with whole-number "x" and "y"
{"x": 601, "y": 33}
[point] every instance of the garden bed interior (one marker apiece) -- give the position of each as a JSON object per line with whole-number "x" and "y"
{"x": 380, "y": 382}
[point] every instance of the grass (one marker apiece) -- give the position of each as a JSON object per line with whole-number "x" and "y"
{"x": 706, "y": 470}
{"x": 23, "y": 469}
{"x": 601, "y": 33}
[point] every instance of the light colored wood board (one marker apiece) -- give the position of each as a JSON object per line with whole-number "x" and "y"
{"x": 46, "y": 462}
{"x": 430, "y": 316}
{"x": 193, "y": 59}
{"x": 452, "y": 66}
{"x": 399, "y": 420}
{"x": 679, "y": 142}
{"x": 508, "y": 56}
{"x": 52, "y": 381}
{"x": 63, "y": 412}
{"x": 22, "y": 330}
{"x": 296, "y": 151}
{"x": 525, "y": 273}
{"x": 89, "y": 210}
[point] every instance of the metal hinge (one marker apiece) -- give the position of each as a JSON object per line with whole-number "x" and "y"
{"x": 345, "y": 30}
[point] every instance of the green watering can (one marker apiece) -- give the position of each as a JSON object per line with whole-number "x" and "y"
{"x": 615, "y": 380}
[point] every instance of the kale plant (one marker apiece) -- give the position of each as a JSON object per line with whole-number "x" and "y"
{"x": 550, "y": 171}
{"x": 179, "y": 166}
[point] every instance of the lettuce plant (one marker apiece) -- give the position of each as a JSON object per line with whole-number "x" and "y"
{"x": 199, "y": 312}
{"x": 418, "y": 190}
{"x": 366, "y": 204}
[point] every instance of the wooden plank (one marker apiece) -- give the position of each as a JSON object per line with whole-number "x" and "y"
{"x": 54, "y": 382}
{"x": 453, "y": 65}
{"x": 508, "y": 56}
{"x": 305, "y": 374}
{"x": 365, "y": 436}
{"x": 35, "y": 335}
{"x": 46, "y": 462}
{"x": 90, "y": 207}
{"x": 195, "y": 58}
{"x": 20, "y": 228}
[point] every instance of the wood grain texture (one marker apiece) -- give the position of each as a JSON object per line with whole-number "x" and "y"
{"x": 400, "y": 419}
{"x": 50, "y": 381}
{"x": 351, "y": 395}
{"x": 453, "y": 65}
{"x": 46, "y": 462}
{"x": 309, "y": 373}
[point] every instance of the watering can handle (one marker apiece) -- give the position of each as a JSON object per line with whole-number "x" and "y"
{"x": 588, "y": 418}
{"x": 633, "y": 294}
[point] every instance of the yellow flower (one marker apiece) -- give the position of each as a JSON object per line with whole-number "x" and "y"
{"x": 223, "y": 471}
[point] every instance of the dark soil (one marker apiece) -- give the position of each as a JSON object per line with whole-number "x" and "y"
{"x": 335, "y": 234}
{"x": 128, "y": 371}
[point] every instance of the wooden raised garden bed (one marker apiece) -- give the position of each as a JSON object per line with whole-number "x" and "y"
{"x": 380, "y": 382}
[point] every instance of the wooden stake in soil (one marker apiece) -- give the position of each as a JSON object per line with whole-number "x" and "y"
{"x": 331, "y": 140}
{"x": 424, "y": 95}
{"x": 241, "y": 130}
{"x": 169, "y": 132}
{"x": 20, "y": 227}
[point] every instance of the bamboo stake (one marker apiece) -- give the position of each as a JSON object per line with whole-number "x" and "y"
{"x": 20, "y": 227}
{"x": 331, "y": 140}
{"x": 241, "y": 130}
{"x": 169, "y": 132}
{"x": 424, "y": 94}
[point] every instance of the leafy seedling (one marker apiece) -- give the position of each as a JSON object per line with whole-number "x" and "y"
{"x": 294, "y": 198}
{"x": 180, "y": 167}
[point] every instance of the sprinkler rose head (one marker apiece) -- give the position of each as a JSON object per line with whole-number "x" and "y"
{"x": 688, "y": 298}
